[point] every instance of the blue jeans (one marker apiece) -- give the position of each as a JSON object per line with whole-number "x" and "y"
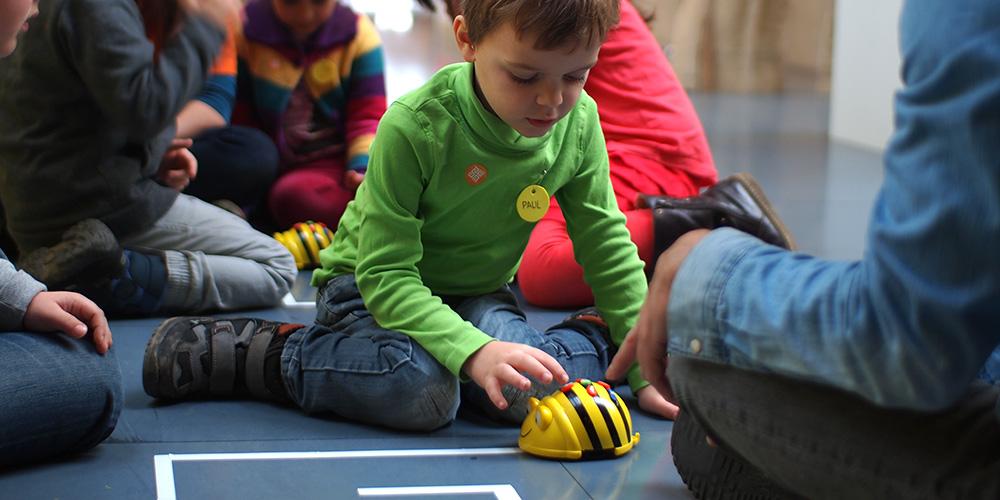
{"x": 57, "y": 396}
{"x": 348, "y": 365}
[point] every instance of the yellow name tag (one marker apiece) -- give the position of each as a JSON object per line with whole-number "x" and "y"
{"x": 532, "y": 203}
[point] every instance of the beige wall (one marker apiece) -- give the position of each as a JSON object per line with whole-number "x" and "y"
{"x": 865, "y": 71}
{"x": 746, "y": 45}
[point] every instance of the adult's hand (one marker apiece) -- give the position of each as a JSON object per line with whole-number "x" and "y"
{"x": 647, "y": 341}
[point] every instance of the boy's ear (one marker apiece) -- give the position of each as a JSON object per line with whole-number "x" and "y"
{"x": 462, "y": 38}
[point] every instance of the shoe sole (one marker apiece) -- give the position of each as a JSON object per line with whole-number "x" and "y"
{"x": 712, "y": 474}
{"x": 757, "y": 193}
{"x": 89, "y": 252}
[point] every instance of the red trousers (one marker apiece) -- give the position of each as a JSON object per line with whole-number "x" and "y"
{"x": 313, "y": 191}
{"x": 550, "y": 277}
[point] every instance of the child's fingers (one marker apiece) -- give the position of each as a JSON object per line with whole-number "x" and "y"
{"x": 181, "y": 143}
{"x": 102, "y": 337}
{"x": 68, "y": 324}
{"x": 493, "y": 390}
{"x": 539, "y": 365}
{"x": 83, "y": 309}
{"x": 511, "y": 375}
{"x": 553, "y": 370}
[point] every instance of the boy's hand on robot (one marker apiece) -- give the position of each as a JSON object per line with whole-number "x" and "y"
{"x": 500, "y": 363}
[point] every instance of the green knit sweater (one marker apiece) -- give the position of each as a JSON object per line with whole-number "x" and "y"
{"x": 427, "y": 221}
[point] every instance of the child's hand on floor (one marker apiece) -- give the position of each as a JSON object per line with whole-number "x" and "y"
{"x": 497, "y": 364}
{"x": 652, "y": 401}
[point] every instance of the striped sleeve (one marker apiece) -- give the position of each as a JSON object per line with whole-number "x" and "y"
{"x": 220, "y": 87}
{"x": 366, "y": 100}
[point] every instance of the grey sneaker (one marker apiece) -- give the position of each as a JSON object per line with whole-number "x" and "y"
{"x": 89, "y": 253}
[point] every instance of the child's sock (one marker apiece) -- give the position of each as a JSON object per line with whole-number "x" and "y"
{"x": 272, "y": 361}
{"x": 140, "y": 290}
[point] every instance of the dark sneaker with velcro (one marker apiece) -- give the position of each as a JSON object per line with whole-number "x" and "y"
{"x": 191, "y": 357}
{"x": 592, "y": 316}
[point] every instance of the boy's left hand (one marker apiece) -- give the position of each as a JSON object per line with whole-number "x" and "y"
{"x": 352, "y": 180}
{"x": 647, "y": 341}
{"x": 498, "y": 363}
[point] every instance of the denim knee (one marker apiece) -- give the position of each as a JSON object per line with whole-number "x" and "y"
{"x": 75, "y": 394}
{"x": 369, "y": 374}
{"x": 429, "y": 406}
{"x": 407, "y": 398}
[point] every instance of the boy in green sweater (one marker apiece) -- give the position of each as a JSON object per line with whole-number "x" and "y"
{"x": 414, "y": 309}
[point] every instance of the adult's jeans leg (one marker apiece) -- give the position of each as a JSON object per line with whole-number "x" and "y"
{"x": 824, "y": 443}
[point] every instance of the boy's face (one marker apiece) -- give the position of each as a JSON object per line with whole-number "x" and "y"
{"x": 529, "y": 89}
{"x": 303, "y": 17}
{"x": 14, "y": 15}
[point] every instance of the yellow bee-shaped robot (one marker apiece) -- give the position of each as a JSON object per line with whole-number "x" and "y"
{"x": 305, "y": 240}
{"x": 582, "y": 420}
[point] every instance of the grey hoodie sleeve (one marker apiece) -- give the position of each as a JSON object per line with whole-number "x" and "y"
{"x": 17, "y": 288}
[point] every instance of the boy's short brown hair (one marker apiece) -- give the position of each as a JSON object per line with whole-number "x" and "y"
{"x": 556, "y": 22}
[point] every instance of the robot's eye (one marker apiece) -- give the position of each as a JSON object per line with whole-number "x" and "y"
{"x": 543, "y": 417}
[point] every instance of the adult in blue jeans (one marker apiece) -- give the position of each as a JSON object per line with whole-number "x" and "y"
{"x": 866, "y": 379}
{"x": 59, "y": 393}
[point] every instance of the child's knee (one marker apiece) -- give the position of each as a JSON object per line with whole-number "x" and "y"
{"x": 426, "y": 408}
